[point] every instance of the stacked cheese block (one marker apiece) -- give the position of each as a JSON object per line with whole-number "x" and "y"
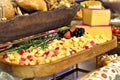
{"x": 96, "y": 22}
{"x": 89, "y": 4}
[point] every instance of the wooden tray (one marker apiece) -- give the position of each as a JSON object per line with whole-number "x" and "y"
{"x": 56, "y": 66}
{"x": 23, "y": 26}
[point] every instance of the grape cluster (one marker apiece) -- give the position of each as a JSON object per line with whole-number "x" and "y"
{"x": 77, "y": 33}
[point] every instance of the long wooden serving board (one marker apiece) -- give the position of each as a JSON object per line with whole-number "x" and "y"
{"x": 56, "y": 66}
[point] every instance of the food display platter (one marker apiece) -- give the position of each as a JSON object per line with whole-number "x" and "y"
{"x": 58, "y": 65}
{"x": 22, "y": 26}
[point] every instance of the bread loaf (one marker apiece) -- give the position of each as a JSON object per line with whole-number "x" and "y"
{"x": 8, "y": 10}
{"x": 31, "y": 5}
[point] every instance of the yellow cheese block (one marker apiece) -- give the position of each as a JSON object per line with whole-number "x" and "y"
{"x": 95, "y": 17}
{"x": 97, "y": 30}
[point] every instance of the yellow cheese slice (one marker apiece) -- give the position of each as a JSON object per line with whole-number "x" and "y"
{"x": 97, "y": 30}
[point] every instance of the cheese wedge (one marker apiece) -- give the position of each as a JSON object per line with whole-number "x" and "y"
{"x": 96, "y": 17}
{"x": 97, "y": 30}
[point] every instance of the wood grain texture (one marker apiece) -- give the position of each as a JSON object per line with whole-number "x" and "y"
{"x": 23, "y": 26}
{"x": 56, "y": 66}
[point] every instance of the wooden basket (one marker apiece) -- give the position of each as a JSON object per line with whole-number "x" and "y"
{"x": 23, "y": 26}
{"x": 56, "y": 66}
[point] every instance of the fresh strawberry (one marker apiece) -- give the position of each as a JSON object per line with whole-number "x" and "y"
{"x": 72, "y": 29}
{"x": 67, "y": 35}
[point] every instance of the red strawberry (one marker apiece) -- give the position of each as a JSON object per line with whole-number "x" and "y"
{"x": 72, "y": 29}
{"x": 67, "y": 35}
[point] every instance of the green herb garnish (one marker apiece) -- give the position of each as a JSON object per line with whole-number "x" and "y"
{"x": 33, "y": 44}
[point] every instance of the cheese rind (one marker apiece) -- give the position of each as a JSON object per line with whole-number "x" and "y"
{"x": 96, "y": 17}
{"x": 97, "y": 30}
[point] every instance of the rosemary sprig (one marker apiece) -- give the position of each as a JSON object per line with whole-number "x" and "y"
{"x": 33, "y": 44}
